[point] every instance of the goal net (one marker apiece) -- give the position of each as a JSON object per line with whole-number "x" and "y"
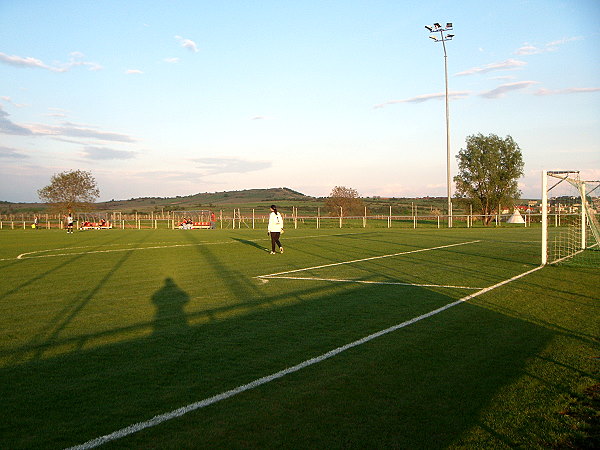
{"x": 570, "y": 227}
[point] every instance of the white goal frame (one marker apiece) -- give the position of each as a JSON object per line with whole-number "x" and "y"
{"x": 573, "y": 178}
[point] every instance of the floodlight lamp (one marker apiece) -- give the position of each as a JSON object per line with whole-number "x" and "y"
{"x": 433, "y": 37}
{"x": 437, "y": 25}
{"x": 449, "y": 25}
{"x": 429, "y": 28}
{"x": 449, "y": 36}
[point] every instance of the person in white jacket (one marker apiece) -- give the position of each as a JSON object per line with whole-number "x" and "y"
{"x": 275, "y": 228}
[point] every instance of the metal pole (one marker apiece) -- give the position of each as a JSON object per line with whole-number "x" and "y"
{"x": 544, "y": 217}
{"x": 583, "y": 218}
{"x": 448, "y": 185}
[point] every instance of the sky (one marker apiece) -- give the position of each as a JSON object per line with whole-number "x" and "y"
{"x": 178, "y": 97}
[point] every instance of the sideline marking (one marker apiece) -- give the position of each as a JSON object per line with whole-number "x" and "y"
{"x": 274, "y": 275}
{"x": 156, "y": 420}
{"x": 24, "y": 256}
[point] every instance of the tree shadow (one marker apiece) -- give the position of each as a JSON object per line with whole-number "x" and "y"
{"x": 48, "y": 335}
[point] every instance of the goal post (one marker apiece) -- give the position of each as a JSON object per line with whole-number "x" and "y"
{"x": 570, "y": 229}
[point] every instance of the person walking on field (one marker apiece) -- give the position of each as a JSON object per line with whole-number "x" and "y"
{"x": 275, "y": 229}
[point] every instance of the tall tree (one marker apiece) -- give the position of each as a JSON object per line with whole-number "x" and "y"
{"x": 346, "y": 198}
{"x": 70, "y": 191}
{"x": 488, "y": 172}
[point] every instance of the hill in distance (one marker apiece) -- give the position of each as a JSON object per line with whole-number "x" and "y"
{"x": 226, "y": 200}
{"x": 258, "y": 197}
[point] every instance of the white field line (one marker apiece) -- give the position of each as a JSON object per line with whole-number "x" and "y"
{"x": 156, "y": 420}
{"x": 365, "y": 259}
{"x": 397, "y": 283}
{"x": 23, "y": 256}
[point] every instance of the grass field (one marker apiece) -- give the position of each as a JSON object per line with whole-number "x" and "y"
{"x": 103, "y": 330}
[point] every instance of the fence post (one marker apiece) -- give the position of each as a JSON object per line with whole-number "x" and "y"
{"x": 415, "y": 218}
{"x": 318, "y": 216}
{"x": 390, "y": 218}
{"x": 341, "y": 214}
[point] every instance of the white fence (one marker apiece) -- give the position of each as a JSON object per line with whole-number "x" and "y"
{"x": 250, "y": 220}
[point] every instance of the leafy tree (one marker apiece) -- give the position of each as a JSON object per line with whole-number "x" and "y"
{"x": 347, "y": 199}
{"x": 488, "y": 172}
{"x": 71, "y": 190}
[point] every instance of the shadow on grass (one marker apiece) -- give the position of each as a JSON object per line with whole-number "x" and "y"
{"x": 170, "y": 301}
{"x": 251, "y": 244}
{"x": 419, "y": 387}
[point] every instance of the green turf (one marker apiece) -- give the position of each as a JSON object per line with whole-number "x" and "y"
{"x": 103, "y": 329}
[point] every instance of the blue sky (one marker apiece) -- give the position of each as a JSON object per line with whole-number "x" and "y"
{"x": 166, "y": 98}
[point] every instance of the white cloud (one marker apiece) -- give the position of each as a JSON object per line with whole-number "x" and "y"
{"x": 529, "y": 49}
{"x": 543, "y": 91}
{"x": 213, "y": 166}
{"x": 79, "y": 131}
{"x": 76, "y": 60}
{"x": 423, "y": 98}
{"x": 133, "y": 72}
{"x": 9, "y": 100}
{"x": 29, "y": 62}
{"x": 509, "y": 64}
{"x": 171, "y": 60}
{"x": 187, "y": 43}
{"x": 503, "y": 89}
{"x": 19, "y": 61}
{"x": 103, "y": 153}
{"x": 11, "y": 153}
{"x": 66, "y": 129}
{"x": 503, "y": 78}
{"x": 7, "y": 126}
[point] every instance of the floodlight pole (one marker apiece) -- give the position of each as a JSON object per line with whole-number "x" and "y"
{"x": 437, "y": 28}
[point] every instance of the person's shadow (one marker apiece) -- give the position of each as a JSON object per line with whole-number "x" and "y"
{"x": 170, "y": 301}
{"x": 251, "y": 244}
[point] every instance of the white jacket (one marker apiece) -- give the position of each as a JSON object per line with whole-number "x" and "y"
{"x": 275, "y": 222}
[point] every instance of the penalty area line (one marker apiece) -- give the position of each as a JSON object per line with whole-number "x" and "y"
{"x": 156, "y": 420}
{"x": 367, "y": 259}
{"x": 394, "y": 283}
